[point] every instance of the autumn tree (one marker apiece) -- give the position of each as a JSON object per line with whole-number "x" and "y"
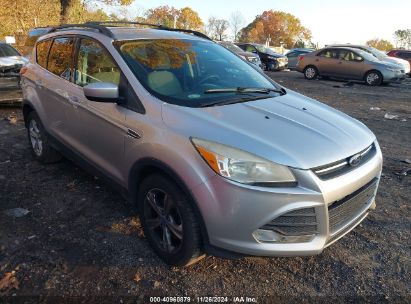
{"x": 169, "y": 16}
{"x": 403, "y": 38}
{"x": 280, "y": 27}
{"x": 236, "y": 23}
{"x": 216, "y": 28}
{"x": 163, "y": 15}
{"x": 189, "y": 19}
{"x": 65, "y": 6}
{"x": 380, "y": 44}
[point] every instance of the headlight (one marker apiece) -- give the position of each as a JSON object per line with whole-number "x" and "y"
{"x": 244, "y": 57}
{"x": 243, "y": 167}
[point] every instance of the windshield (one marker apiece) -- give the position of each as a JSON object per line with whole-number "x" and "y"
{"x": 366, "y": 55}
{"x": 7, "y": 51}
{"x": 232, "y": 47}
{"x": 189, "y": 72}
{"x": 377, "y": 53}
{"x": 264, "y": 49}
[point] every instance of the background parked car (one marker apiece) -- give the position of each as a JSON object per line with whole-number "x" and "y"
{"x": 10, "y": 64}
{"x": 271, "y": 60}
{"x": 293, "y": 54}
{"x": 251, "y": 57}
{"x": 405, "y": 65}
{"x": 403, "y": 54}
{"x": 350, "y": 64}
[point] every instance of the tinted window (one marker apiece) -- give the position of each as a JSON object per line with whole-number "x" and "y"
{"x": 94, "y": 64}
{"x": 61, "y": 53}
{"x": 292, "y": 54}
{"x": 185, "y": 72}
{"x": 42, "y": 51}
{"x": 7, "y": 50}
{"x": 404, "y": 55}
{"x": 329, "y": 53}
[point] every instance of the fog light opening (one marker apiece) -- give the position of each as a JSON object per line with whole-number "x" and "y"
{"x": 269, "y": 236}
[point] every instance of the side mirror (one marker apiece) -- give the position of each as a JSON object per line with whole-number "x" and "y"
{"x": 102, "y": 92}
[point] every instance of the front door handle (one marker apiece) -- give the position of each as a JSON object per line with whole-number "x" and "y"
{"x": 133, "y": 134}
{"x": 73, "y": 99}
{"x": 39, "y": 82}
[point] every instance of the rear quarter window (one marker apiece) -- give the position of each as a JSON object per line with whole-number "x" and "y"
{"x": 42, "y": 51}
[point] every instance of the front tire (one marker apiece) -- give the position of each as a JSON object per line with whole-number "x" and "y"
{"x": 373, "y": 78}
{"x": 169, "y": 221}
{"x": 39, "y": 144}
{"x": 311, "y": 72}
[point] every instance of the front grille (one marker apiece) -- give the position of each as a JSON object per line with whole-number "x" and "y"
{"x": 294, "y": 223}
{"x": 343, "y": 166}
{"x": 345, "y": 210}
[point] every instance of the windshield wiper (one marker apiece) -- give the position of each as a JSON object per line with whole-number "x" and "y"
{"x": 241, "y": 90}
{"x": 232, "y": 101}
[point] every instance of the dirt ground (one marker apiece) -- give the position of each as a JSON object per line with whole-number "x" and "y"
{"x": 79, "y": 241}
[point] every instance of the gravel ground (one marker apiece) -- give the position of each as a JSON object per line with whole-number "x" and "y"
{"x": 80, "y": 241}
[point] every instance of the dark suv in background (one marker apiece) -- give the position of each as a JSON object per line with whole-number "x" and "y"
{"x": 270, "y": 60}
{"x": 250, "y": 57}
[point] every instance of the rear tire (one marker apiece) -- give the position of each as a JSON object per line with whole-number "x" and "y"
{"x": 169, "y": 221}
{"x": 39, "y": 143}
{"x": 373, "y": 78}
{"x": 311, "y": 72}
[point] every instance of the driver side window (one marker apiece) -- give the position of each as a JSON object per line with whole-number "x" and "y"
{"x": 94, "y": 64}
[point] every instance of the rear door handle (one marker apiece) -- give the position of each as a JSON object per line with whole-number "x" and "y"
{"x": 39, "y": 83}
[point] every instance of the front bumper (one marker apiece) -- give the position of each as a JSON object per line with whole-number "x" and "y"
{"x": 389, "y": 76}
{"x": 232, "y": 211}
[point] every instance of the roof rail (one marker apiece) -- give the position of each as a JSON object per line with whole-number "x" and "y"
{"x": 157, "y": 26}
{"x": 102, "y": 29}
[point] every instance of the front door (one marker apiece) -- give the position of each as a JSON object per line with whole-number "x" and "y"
{"x": 351, "y": 65}
{"x": 99, "y": 128}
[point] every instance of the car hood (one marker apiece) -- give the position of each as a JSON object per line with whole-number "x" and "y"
{"x": 292, "y": 130}
{"x": 11, "y": 61}
{"x": 398, "y": 62}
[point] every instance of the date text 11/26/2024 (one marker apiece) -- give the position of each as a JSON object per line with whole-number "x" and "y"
{"x": 239, "y": 299}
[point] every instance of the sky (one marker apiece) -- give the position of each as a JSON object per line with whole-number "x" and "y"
{"x": 331, "y": 21}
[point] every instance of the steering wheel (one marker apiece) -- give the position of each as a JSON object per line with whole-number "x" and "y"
{"x": 208, "y": 78}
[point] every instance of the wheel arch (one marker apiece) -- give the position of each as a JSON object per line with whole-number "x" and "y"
{"x": 27, "y": 108}
{"x": 373, "y": 70}
{"x": 148, "y": 166}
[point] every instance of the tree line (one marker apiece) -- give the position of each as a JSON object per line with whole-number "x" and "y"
{"x": 275, "y": 27}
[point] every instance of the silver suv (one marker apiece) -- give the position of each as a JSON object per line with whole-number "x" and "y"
{"x": 217, "y": 157}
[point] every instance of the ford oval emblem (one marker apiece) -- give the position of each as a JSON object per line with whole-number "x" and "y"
{"x": 355, "y": 160}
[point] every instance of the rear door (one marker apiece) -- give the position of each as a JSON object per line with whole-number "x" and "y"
{"x": 327, "y": 62}
{"x": 54, "y": 87}
{"x": 292, "y": 58}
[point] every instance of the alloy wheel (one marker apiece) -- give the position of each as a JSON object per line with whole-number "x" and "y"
{"x": 310, "y": 73}
{"x": 164, "y": 221}
{"x": 35, "y": 138}
{"x": 372, "y": 78}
